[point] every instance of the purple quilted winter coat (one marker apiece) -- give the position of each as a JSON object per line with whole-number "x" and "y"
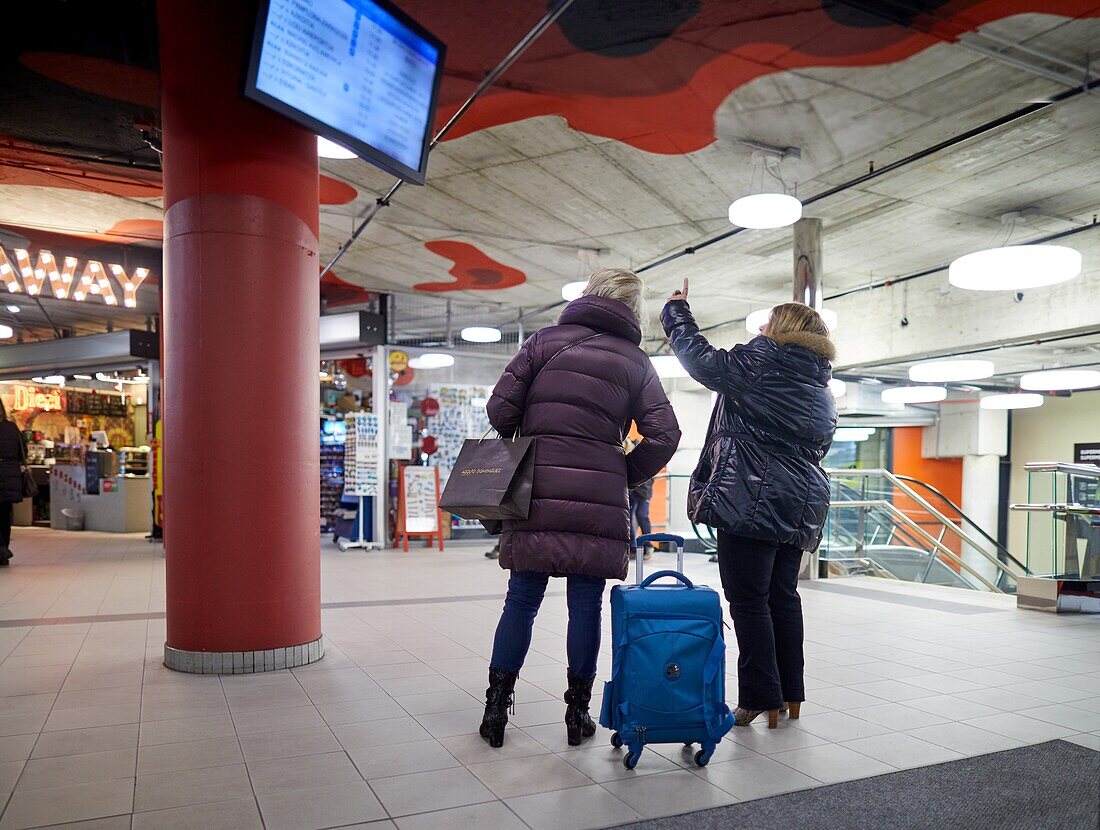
{"x": 579, "y": 411}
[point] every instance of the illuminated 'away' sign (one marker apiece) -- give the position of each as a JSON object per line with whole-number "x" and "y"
{"x": 49, "y": 277}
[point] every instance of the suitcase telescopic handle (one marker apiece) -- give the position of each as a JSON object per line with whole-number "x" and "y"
{"x": 639, "y": 543}
{"x": 649, "y": 580}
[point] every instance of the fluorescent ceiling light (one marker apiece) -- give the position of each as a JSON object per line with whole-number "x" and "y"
{"x": 82, "y": 377}
{"x": 1059, "y": 379}
{"x": 947, "y": 371}
{"x": 1016, "y": 400}
{"x": 481, "y": 334}
{"x": 759, "y": 318}
{"x": 1015, "y": 267}
{"x": 432, "y": 360}
{"x": 331, "y": 150}
{"x": 853, "y": 433}
{"x": 838, "y": 387}
{"x": 668, "y": 366}
{"x": 765, "y": 210}
{"x": 914, "y": 394}
{"x": 572, "y": 290}
{"x": 51, "y": 380}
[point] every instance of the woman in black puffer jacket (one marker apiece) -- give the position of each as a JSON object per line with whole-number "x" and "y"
{"x": 759, "y": 482}
{"x": 13, "y": 455}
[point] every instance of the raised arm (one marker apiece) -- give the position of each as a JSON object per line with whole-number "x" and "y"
{"x": 720, "y": 370}
{"x": 660, "y": 433}
{"x": 509, "y": 398}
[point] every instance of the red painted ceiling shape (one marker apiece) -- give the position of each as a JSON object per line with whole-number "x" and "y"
{"x": 338, "y": 292}
{"x": 652, "y": 74}
{"x": 111, "y": 79}
{"x": 473, "y": 270}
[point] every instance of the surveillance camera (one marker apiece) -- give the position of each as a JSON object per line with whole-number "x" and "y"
{"x": 904, "y": 322}
{"x": 1019, "y": 296}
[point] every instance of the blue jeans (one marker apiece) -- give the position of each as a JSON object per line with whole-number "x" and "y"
{"x": 584, "y": 596}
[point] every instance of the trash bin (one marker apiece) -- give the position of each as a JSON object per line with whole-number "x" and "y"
{"x": 74, "y": 519}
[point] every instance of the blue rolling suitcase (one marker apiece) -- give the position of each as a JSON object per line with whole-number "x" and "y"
{"x": 668, "y": 669}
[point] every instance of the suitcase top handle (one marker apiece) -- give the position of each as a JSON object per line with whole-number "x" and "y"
{"x": 659, "y": 537}
{"x": 676, "y": 574}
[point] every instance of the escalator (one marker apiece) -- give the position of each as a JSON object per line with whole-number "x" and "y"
{"x": 901, "y": 528}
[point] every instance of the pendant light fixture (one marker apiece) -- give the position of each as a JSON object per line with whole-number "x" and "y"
{"x": 1056, "y": 380}
{"x": 572, "y": 290}
{"x": 432, "y": 360}
{"x": 481, "y": 334}
{"x": 770, "y": 202}
{"x": 1007, "y": 267}
{"x": 914, "y": 394}
{"x": 1013, "y": 400}
{"x": 950, "y": 371}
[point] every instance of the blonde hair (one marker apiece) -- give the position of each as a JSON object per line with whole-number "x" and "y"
{"x": 791, "y": 318}
{"x": 622, "y": 285}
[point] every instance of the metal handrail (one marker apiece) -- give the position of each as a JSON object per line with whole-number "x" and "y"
{"x": 1086, "y": 470}
{"x": 919, "y": 499}
{"x": 899, "y": 515}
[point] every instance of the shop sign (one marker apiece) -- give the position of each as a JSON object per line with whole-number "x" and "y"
{"x": 29, "y": 397}
{"x": 1086, "y": 454}
{"x": 49, "y": 277}
{"x": 429, "y": 407}
{"x": 399, "y": 361}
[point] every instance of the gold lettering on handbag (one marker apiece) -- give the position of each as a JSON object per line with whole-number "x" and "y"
{"x": 479, "y": 471}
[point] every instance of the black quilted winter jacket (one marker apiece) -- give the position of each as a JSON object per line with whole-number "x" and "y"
{"x": 577, "y": 403}
{"x": 759, "y": 474}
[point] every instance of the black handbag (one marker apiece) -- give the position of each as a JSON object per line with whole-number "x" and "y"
{"x": 491, "y": 481}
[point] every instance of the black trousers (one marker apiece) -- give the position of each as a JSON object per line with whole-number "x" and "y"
{"x": 5, "y": 523}
{"x": 760, "y": 580}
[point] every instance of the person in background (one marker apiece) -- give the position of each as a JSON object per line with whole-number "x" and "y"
{"x": 759, "y": 482}
{"x": 640, "y": 497}
{"x": 13, "y": 459}
{"x": 575, "y": 388}
{"x": 494, "y": 553}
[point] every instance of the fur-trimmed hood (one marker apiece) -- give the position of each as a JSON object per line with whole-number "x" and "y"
{"x": 817, "y": 343}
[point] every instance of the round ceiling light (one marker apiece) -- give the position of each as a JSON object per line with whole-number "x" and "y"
{"x": 948, "y": 371}
{"x": 838, "y": 387}
{"x": 1015, "y": 267}
{"x": 572, "y": 290}
{"x": 6, "y": 332}
{"x": 668, "y": 366}
{"x": 761, "y": 211}
{"x": 1016, "y": 400}
{"x": 853, "y": 433}
{"x": 331, "y": 150}
{"x": 914, "y": 394}
{"x": 1059, "y": 379}
{"x": 432, "y": 360}
{"x": 759, "y": 318}
{"x": 481, "y": 334}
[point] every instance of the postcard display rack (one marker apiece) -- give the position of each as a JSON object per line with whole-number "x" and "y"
{"x": 361, "y": 461}
{"x": 461, "y": 416}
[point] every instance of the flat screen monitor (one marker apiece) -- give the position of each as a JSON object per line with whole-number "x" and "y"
{"x": 358, "y": 72}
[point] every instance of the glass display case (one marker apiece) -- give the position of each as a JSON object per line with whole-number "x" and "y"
{"x": 133, "y": 461}
{"x": 1063, "y": 536}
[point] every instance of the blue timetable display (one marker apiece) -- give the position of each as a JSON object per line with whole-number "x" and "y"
{"x": 358, "y": 72}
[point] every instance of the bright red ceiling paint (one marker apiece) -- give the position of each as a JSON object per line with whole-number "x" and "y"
{"x": 334, "y": 192}
{"x": 339, "y": 292}
{"x": 110, "y": 79}
{"x": 473, "y": 270}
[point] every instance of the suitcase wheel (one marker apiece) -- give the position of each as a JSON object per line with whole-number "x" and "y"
{"x": 630, "y": 760}
{"x": 616, "y": 740}
{"x": 702, "y": 757}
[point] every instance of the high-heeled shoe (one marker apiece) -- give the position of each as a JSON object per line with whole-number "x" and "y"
{"x": 743, "y": 717}
{"x": 794, "y": 708}
{"x": 498, "y": 698}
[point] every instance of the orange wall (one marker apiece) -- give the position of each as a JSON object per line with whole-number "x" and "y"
{"x": 945, "y": 474}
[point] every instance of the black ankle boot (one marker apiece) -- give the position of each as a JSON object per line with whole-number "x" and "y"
{"x": 498, "y": 697}
{"x": 578, "y": 723}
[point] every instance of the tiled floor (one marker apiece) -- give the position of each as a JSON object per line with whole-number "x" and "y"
{"x": 381, "y": 733}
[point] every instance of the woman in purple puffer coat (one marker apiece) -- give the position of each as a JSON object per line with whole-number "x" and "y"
{"x": 575, "y": 387}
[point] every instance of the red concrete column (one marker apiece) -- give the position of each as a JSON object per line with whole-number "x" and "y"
{"x": 240, "y": 355}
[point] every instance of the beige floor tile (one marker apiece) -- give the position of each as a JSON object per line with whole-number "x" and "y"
{"x": 306, "y": 772}
{"x": 402, "y": 759}
{"x": 526, "y": 776}
{"x": 492, "y": 814}
{"x": 186, "y": 787}
{"x": 751, "y": 778}
{"x": 211, "y": 752}
{"x": 428, "y": 791}
{"x": 16, "y": 747}
{"x": 832, "y": 763}
{"x": 75, "y": 802}
{"x": 668, "y": 793}
{"x": 576, "y": 809}
{"x": 90, "y": 716}
{"x": 82, "y": 741}
{"x": 258, "y": 721}
{"x": 267, "y": 745}
{"x": 185, "y": 729}
{"x": 43, "y": 773}
{"x": 331, "y": 806}
{"x": 239, "y": 814}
